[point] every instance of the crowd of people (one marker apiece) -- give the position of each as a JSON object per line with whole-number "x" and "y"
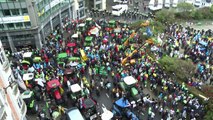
{"x": 170, "y": 100}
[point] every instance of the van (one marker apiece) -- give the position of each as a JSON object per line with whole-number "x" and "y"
{"x": 151, "y": 4}
{"x": 174, "y": 3}
{"x": 198, "y": 3}
{"x": 167, "y": 4}
{"x": 74, "y": 114}
{"x": 118, "y": 10}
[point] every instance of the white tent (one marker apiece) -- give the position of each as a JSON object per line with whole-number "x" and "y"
{"x": 129, "y": 80}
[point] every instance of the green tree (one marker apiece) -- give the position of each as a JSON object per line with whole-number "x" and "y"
{"x": 165, "y": 15}
{"x": 183, "y": 69}
{"x": 212, "y": 8}
{"x": 183, "y": 7}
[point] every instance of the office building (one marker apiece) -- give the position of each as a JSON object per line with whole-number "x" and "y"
{"x": 12, "y": 106}
{"x": 27, "y": 22}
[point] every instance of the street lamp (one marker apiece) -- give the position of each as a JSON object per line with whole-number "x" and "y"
{"x": 11, "y": 84}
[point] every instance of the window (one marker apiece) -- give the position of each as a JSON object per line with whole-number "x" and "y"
{"x": 6, "y": 12}
{"x": 10, "y": 25}
{"x": 81, "y": 4}
{"x": 24, "y": 11}
{"x": 19, "y": 25}
{"x": 27, "y": 24}
{"x": 98, "y": 6}
{"x": 81, "y": 13}
{"x": 19, "y": 102}
{"x": 15, "y": 11}
{"x": 1, "y": 26}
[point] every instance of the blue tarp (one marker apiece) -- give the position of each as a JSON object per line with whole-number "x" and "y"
{"x": 122, "y": 103}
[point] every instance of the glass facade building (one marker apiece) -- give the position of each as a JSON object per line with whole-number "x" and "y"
{"x": 27, "y": 22}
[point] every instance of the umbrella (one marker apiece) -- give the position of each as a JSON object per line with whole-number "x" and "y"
{"x": 71, "y": 45}
{"x": 106, "y": 37}
{"x": 105, "y": 41}
{"x": 94, "y": 31}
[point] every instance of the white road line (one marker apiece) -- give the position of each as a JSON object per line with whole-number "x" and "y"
{"x": 107, "y": 95}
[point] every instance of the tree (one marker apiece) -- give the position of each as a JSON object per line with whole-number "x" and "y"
{"x": 165, "y": 16}
{"x": 183, "y": 69}
{"x": 212, "y": 8}
{"x": 183, "y": 7}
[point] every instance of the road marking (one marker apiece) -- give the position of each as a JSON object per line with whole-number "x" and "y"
{"x": 107, "y": 95}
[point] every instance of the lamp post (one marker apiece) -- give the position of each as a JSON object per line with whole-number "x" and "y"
{"x": 11, "y": 84}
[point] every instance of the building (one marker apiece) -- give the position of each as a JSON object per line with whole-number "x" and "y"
{"x": 12, "y": 106}
{"x": 96, "y": 4}
{"x": 27, "y": 22}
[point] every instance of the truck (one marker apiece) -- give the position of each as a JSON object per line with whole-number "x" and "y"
{"x": 174, "y": 3}
{"x": 167, "y": 4}
{"x": 118, "y": 10}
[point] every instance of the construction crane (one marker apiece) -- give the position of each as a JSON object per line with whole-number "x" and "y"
{"x": 126, "y": 43}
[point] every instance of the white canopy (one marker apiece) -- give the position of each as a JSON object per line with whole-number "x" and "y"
{"x": 27, "y": 54}
{"x": 129, "y": 80}
{"x": 82, "y": 25}
{"x": 75, "y": 88}
{"x": 28, "y": 76}
{"x": 26, "y": 94}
